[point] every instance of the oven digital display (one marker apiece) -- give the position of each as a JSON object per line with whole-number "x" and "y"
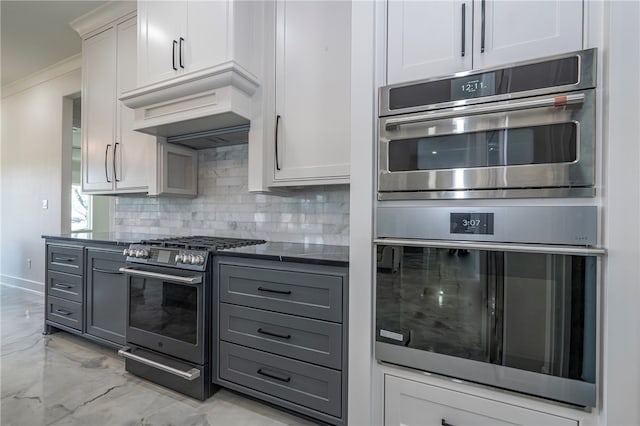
{"x": 473, "y": 86}
{"x": 164, "y": 256}
{"x": 471, "y": 223}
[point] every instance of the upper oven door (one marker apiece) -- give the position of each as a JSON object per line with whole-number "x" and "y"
{"x": 166, "y": 311}
{"x": 544, "y": 144}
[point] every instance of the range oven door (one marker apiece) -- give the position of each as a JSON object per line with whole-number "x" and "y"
{"x": 491, "y": 314}
{"x": 166, "y": 311}
{"x": 543, "y": 144}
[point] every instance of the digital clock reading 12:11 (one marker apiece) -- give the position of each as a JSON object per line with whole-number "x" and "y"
{"x": 473, "y": 86}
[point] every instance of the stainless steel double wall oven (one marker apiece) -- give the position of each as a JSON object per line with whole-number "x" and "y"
{"x": 501, "y": 291}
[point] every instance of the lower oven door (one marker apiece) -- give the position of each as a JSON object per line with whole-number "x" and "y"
{"x": 542, "y": 146}
{"x": 524, "y": 321}
{"x": 166, "y": 311}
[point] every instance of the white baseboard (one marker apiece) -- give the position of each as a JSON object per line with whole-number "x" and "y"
{"x": 22, "y": 284}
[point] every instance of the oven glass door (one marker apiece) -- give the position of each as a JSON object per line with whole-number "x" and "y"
{"x": 166, "y": 313}
{"x": 520, "y": 144}
{"x": 530, "y": 312}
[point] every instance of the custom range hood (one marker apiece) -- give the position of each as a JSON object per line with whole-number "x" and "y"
{"x": 202, "y": 109}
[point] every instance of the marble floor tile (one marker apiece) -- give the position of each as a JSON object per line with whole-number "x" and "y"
{"x": 62, "y": 379}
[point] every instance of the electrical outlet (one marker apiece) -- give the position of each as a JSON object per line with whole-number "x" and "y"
{"x": 45, "y": 204}
{"x": 29, "y": 263}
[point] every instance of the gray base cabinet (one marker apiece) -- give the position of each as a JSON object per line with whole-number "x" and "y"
{"x": 106, "y": 295}
{"x": 281, "y": 334}
{"x": 64, "y": 288}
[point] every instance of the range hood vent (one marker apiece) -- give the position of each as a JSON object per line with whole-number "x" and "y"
{"x": 202, "y": 109}
{"x": 213, "y": 138}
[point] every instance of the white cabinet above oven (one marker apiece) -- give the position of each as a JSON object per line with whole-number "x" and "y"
{"x": 432, "y": 38}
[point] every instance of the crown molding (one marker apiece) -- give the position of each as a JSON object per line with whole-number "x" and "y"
{"x": 102, "y": 16}
{"x": 65, "y": 66}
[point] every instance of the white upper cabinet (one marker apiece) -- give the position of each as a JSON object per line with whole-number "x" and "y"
{"x": 312, "y": 92}
{"x": 178, "y": 37}
{"x": 434, "y": 38}
{"x": 115, "y": 159}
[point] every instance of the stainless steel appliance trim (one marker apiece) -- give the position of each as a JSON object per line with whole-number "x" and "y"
{"x": 478, "y": 194}
{"x": 552, "y": 387}
{"x": 586, "y": 80}
{"x": 192, "y": 374}
{"x": 472, "y": 245}
{"x": 504, "y": 106}
{"x": 149, "y": 274}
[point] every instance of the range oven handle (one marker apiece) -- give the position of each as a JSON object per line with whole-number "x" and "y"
{"x": 192, "y": 374}
{"x": 474, "y": 245}
{"x": 158, "y": 275}
{"x": 513, "y": 105}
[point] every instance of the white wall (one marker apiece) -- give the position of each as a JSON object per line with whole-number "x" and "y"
{"x": 621, "y": 326}
{"x": 31, "y": 171}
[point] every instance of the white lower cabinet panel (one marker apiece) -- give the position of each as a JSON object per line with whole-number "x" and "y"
{"x": 411, "y": 403}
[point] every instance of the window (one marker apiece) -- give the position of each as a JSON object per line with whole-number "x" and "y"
{"x": 80, "y": 210}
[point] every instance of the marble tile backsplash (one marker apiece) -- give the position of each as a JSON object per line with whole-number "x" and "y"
{"x": 225, "y": 208}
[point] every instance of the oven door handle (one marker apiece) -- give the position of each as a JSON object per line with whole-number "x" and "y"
{"x": 474, "y": 245}
{"x": 192, "y": 374}
{"x": 158, "y": 275}
{"x": 555, "y": 101}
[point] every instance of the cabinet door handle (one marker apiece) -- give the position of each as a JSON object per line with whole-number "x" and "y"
{"x": 482, "y": 25}
{"x": 270, "y": 290}
{"x": 106, "y": 170}
{"x": 63, "y": 312}
{"x": 277, "y": 125}
{"x": 106, "y": 271}
{"x": 444, "y": 423}
{"x": 173, "y": 56}
{"x": 63, "y": 285}
{"x": 464, "y": 25}
{"x": 63, "y": 259}
{"x": 271, "y": 333}
{"x": 115, "y": 170}
{"x": 181, "y": 55}
{"x": 274, "y": 376}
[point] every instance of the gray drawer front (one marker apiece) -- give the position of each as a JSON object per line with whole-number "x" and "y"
{"x": 65, "y": 259}
{"x": 64, "y": 312}
{"x": 318, "y": 342}
{"x": 298, "y": 293}
{"x": 65, "y": 286}
{"x": 305, "y": 384}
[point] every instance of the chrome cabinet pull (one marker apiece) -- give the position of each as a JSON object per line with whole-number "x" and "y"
{"x": 482, "y": 26}
{"x": 181, "y": 55}
{"x": 115, "y": 171}
{"x": 270, "y": 290}
{"x": 63, "y": 285}
{"x": 274, "y": 376}
{"x": 271, "y": 333}
{"x": 277, "y": 124}
{"x": 63, "y": 312}
{"x": 173, "y": 56}
{"x": 106, "y": 170}
{"x": 192, "y": 374}
{"x": 106, "y": 271}
{"x": 64, "y": 259}
{"x": 464, "y": 20}
{"x": 158, "y": 275}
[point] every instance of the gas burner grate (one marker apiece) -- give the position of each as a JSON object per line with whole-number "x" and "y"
{"x": 202, "y": 242}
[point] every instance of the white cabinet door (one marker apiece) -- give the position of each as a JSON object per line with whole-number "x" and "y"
{"x": 428, "y": 39}
{"x": 160, "y": 26}
{"x": 521, "y": 30}
{"x": 313, "y": 74}
{"x": 206, "y": 40}
{"x": 98, "y": 109}
{"x": 134, "y": 151}
{"x": 411, "y": 403}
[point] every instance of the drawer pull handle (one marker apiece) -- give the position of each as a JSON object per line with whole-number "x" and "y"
{"x": 63, "y": 312}
{"x": 444, "y": 423}
{"x": 270, "y": 290}
{"x": 63, "y": 259}
{"x": 270, "y": 333}
{"x": 274, "y": 376}
{"x": 192, "y": 374}
{"x": 63, "y": 286}
{"x": 106, "y": 271}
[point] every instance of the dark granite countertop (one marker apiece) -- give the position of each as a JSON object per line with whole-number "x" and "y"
{"x": 115, "y": 238}
{"x": 319, "y": 254}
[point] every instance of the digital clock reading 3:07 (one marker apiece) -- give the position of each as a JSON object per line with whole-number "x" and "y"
{"x": 471, "y": 223}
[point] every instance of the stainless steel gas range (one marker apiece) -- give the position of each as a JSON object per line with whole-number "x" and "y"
{"x": 170, "y": 309}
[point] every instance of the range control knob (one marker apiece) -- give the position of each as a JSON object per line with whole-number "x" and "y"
{"x": 182, "y": 258}
{"x": 142, "y": 254}
{"x": 131, "y": 252}
{"x": 125, "y": 252}
{"x": 197, "y": 260}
